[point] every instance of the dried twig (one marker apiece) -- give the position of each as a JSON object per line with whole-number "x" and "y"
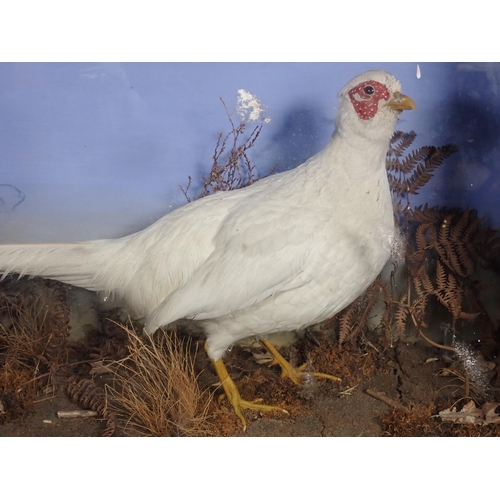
{"x": 231, "y": 166}
{"x": 382, "y": 396}
{"x": 77, "y": 414}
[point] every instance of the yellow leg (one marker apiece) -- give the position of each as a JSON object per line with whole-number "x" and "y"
{"x": 287, "y": 370}
{"x": 234, "y": 397}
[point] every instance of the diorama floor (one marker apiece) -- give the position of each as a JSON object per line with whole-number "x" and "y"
{"x": 396, "y": 391}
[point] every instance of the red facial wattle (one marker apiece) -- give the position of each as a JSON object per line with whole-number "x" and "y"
{"x": 366, "y": 96}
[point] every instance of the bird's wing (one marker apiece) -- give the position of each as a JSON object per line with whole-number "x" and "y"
{"x": 259, "y": 251}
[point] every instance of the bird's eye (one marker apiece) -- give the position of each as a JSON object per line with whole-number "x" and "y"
{"x": 368, "y": 90}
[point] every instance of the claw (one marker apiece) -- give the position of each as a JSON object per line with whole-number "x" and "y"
{"x": 287, "y": 370}
{"x": 234, "y": 397}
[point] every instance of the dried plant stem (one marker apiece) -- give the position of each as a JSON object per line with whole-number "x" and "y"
{"x": 440, "y": 346}
{"x": 381, "y": 396}
{"x": 435, "y": 344}
{"x": 77, "y": 414}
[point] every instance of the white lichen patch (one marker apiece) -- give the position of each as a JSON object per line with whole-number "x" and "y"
{"x": 249, "y": 108}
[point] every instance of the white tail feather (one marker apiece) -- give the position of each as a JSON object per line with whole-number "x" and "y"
{"x": 80, "y": 264}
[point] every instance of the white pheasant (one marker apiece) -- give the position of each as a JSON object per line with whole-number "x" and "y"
{"x": 284, "y": 253}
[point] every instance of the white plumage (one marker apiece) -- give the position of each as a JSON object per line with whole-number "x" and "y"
{"x": 288, "y": 251}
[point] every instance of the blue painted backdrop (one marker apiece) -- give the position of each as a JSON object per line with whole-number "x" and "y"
{"x": 99, "y": 150}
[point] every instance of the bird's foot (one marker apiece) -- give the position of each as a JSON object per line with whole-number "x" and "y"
{"x": 234, "y": 397}
{"x": 287, "y": 370}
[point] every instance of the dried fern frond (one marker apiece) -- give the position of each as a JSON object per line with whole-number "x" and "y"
{"x": 409, "y": 174}
{"x": 442, "y": 254}
{"x": 354, "y": 318}
{"x": 400, "y": 316}
{"x": 400, "y": 142}
{"x": 427, "y": 215}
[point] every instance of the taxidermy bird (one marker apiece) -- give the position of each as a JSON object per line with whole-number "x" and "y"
{"x": 288, "y": 251}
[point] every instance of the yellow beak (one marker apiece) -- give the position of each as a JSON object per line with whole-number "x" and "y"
{"x": 401, "y": 102}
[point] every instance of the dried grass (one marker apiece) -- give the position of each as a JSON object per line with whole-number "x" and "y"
{"x": 155, "y": 390}
{"x": 33, "y": 331}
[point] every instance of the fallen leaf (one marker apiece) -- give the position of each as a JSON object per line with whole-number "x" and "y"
{"x": 490, "y": 414}
{"x": 262, "y": 358}
{"x": 430, "y": 360}
{"x": 469, "y": 414}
